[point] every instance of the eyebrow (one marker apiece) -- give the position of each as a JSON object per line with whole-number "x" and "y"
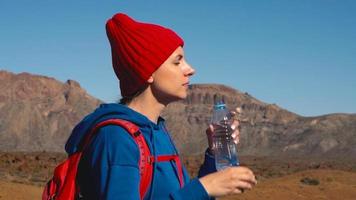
{"x": 179, "y": 56}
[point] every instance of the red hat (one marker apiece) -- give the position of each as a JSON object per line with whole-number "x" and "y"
{"x": 138, "y": 49}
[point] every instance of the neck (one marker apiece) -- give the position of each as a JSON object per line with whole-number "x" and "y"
{"x": 147, "y": 105}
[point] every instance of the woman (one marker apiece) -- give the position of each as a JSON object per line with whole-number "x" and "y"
{"x": 150, "y": 63}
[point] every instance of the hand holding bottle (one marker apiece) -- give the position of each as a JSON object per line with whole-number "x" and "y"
{"x": 223, "y": 138}
{"x": 229, "y": 181}
{"x": 235, "y": 126}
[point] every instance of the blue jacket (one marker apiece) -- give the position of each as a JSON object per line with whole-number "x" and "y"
{"x": 109, "y": 168}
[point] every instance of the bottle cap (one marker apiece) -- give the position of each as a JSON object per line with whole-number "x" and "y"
{"x": 219, "y": 105}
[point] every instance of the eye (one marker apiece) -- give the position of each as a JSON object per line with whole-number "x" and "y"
{"x": 177, "y": 60}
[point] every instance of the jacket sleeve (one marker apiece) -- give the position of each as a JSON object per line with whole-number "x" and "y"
{"x": 114, "y": 158}
{"x": 193, "y": 189}
{"x": 208, "y": 166}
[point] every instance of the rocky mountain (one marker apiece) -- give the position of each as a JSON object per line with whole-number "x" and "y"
{"x": 266, "y": 129}
{"x": 38, "y": 113}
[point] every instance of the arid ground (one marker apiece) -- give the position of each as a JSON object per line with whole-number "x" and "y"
{"x": 22, "y": 176}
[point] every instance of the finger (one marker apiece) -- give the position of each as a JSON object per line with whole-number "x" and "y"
{"x": 244, "y": 171}
{"x": 243, "y": 185}
{"x": 210, "y": 130}
{"x": 236, "y": 134}
{"x": 235, "y": 124}
{"x": 236, "y": 137}
{"x": 211, "y": 127}
{"x": 252, "y": 182}
{"x": 237, "y": 191}
{"x": 248, "y": 178}
{"x": 238, "y": 110}
{"x": 245, "y": 176}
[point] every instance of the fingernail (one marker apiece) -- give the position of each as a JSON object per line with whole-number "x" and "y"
{"x": 238, "y": 110}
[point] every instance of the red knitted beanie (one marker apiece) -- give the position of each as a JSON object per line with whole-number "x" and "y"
{"x": 138, "y": 49}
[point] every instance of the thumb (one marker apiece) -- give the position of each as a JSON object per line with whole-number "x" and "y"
{"x": 210, "y": 130}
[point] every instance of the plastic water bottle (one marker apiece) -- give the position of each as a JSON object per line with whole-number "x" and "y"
{"x": 225, "y": 149}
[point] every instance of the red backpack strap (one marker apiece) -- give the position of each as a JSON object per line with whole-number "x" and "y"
{"x": 175, "y": 158}
{"x": 146, "y": 160}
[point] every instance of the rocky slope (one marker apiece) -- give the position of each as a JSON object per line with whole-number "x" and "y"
{"x": 266, "y": 129}
{"x": 38, "y": 113}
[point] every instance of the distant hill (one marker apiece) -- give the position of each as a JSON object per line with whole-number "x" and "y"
{"x": 38, "y": 113}
{"x": 266, "y": 129}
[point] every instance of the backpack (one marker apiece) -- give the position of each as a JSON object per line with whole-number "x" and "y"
{"x": 63, "y": 185}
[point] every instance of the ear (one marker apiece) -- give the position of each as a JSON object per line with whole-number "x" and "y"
{"x": 150, "y": 79}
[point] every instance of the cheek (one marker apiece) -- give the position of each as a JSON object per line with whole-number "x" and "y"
{"x": 168, "y": 84}
{"x": 168, "y": 77}
{"x": 168, "y": 80}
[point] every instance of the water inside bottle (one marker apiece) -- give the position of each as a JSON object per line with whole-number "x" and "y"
{"x": 225, "y": 148}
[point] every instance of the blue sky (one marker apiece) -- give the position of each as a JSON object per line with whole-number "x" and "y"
{"x": 300, "y": 55}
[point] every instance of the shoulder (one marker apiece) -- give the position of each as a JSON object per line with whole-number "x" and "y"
{"x": 117, "y": 145}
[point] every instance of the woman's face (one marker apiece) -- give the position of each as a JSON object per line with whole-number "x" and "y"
{"x": 170, "y": 81}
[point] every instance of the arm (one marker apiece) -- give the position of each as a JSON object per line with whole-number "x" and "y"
{"x": 112, "y": 167}
{"x": 122, "y": 183}
{"x": 208, "y": 166}
{"x": 193, "y": 189}
{"x": 232, "y": 180}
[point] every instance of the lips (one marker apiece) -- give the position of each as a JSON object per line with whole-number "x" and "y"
{"x": 186, "y": 84}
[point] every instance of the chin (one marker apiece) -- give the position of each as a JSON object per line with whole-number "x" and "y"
{"x": 174, "y": 98}
{"x": 183, "y": 95}
{"x": 178, "y": 97}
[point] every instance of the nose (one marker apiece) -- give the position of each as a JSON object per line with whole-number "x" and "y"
{"x": 189, "y": 71}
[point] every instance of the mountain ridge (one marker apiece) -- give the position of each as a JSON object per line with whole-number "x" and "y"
{"x": 49, "y": 109}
